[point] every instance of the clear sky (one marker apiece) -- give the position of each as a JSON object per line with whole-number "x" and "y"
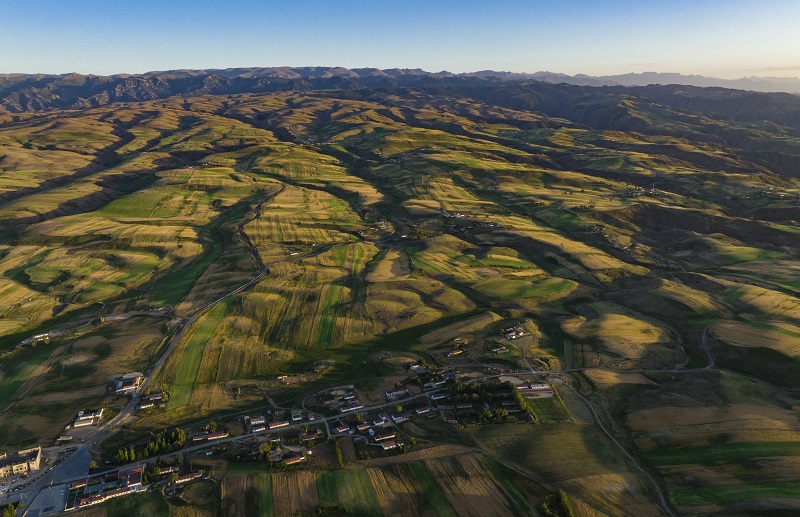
{"x": 722, "y": 38}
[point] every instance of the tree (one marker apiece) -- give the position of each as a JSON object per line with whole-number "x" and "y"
{"x": 264, "y": 448}
{"x": 157, "y": 470}
{"x": 9, "y": 511}
{"x": 173, "y": 478}
{"x": 398, "y": 409}
{"x": 212, "y": 426}
{"x": 338, "y": 449}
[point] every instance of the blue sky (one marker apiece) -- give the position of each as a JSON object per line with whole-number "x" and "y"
{"x": 721, "y": 38}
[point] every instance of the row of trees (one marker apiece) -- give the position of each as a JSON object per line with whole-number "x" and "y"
{"x": 160, "y": 443}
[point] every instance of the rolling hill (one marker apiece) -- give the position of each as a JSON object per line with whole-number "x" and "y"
{"x": 367, "y": 212}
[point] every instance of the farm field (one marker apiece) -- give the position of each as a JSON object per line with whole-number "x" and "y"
{"x": 276, "y": 244}
{"x": 726, "y": 457}
{"x": 468, "y": 484}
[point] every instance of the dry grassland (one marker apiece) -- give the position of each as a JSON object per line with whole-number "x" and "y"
{"x": 782, "y": 337}
{"x": 691, "y": 426}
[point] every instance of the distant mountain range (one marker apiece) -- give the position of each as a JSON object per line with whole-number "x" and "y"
{"x": 35, "y": 92}
{"x": 755, "y": 84}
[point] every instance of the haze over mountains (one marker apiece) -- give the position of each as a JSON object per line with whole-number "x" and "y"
{"x": 26, "y": 92}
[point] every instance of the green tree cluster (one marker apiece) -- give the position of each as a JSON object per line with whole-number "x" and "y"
{"x": 159, "y": 443}
{"x": 557, "y": 505}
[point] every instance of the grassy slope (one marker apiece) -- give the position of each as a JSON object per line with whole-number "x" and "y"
{"x": 546, "y": 234}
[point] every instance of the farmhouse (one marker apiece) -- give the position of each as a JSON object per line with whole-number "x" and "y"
{"x": 20, "y": 463}
{"x": 128, "y": 383}
{"x": 513, "y": 333}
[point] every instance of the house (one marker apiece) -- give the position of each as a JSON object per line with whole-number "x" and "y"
{"x": 399, "y": 418}
{"x": 88, "y": 417}
{"x": 498, "y": 349}
{"x": 307, "y": 437}
{"x": 536, "y": 390}
{"x": 344, "y": 429}
{"x": 129, "y": 481}
{"x": 513, "y": 333}
{"x": 363, "y": 426}
{"x": 379, "y": 436}
{"x": 217, "y": 436}
{"x": 297, "y": 416}
{"x": 389, "y": 445}
{"x": 189, "y": 477}
{"x": 351, "y": 406}
{"x": 397, "y": 393}
{"x": 146, "y": 405}
{"x": 277, "y": 424}
{"x": 422, "y": 410}
{"x": 256, "y": 424}
{"x": 132, "y": 478}
{"x": 22, "y": 462}
{"x": 455, "y": 352}
{"x": 128, "y": 383}
{"x": 291, "y": 460}
{"x": 438, "y": 396}
{"x": 416, "y": 366}
{"x": 154, "y": 397}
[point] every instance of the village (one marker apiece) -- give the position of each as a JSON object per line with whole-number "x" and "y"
{"x": 284, "y": 437}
